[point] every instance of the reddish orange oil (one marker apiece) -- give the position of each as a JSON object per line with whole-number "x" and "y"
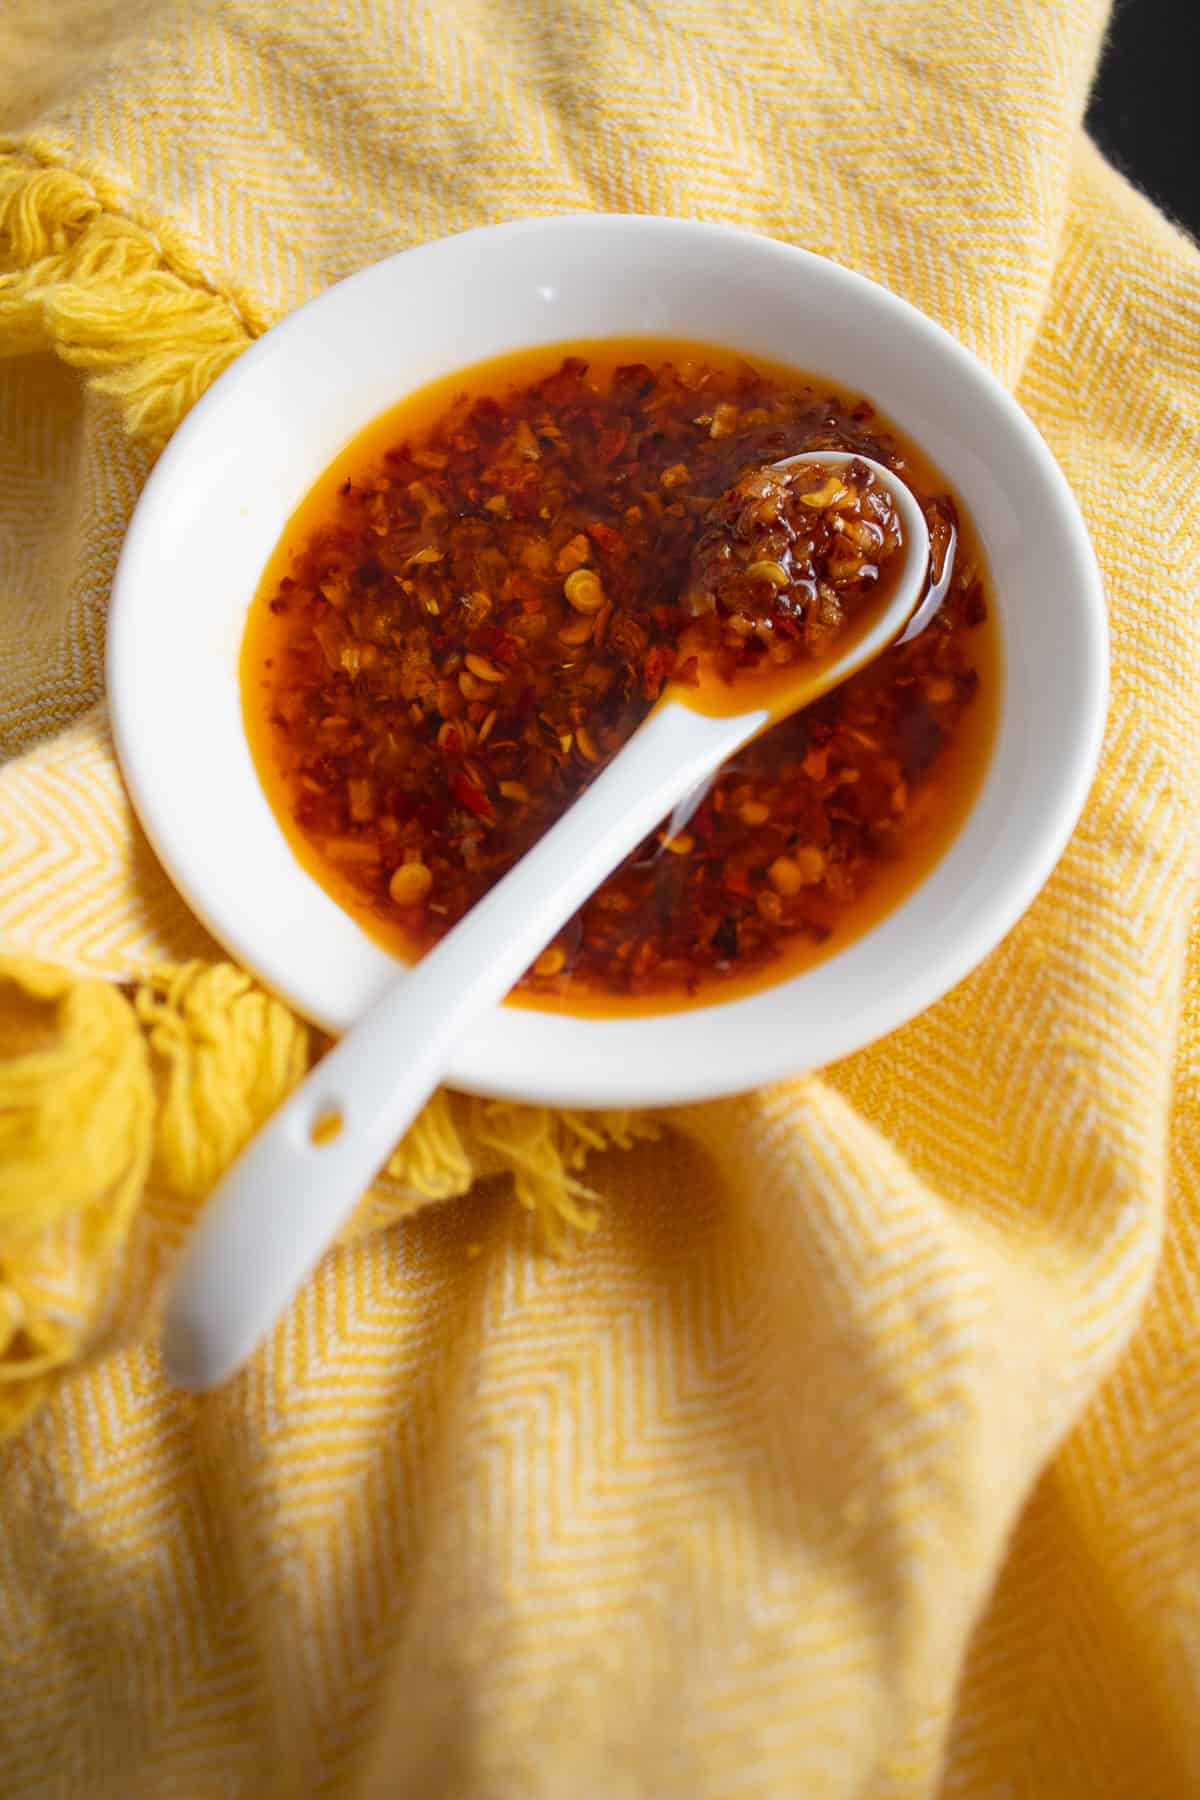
{"x": 932, "y": 823}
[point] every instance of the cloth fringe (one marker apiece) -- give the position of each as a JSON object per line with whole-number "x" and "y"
{"x": 105, "y": 1095}
{"x": 91, "y": 286}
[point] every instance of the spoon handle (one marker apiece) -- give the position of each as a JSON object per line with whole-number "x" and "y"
{"x": 283, "y": 1200}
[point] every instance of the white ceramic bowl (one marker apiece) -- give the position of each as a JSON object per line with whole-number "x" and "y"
{"x": 221, "y": 494}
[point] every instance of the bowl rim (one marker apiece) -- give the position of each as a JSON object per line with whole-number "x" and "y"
{"x": 558, "y": 1079}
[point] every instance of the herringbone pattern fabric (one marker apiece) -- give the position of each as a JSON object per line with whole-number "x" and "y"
{"x": 855, "y": 1452}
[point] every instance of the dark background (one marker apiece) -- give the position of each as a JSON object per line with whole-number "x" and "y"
{"x": 1145, "y": 106}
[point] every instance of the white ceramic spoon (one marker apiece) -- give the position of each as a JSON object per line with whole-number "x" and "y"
{"x": 282, "y": 1202}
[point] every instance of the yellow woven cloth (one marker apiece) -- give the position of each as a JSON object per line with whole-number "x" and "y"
{"x": 855, "y": 1452}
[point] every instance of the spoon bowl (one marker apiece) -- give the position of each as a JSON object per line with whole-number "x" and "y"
{"x": 864, "y": 639}
{"x": 282, "y": 1202}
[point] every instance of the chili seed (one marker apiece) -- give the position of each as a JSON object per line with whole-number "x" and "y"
{"x": 785, "y": 877}
{"x": 583, "y": 591}
{"x": 773, "y": 572}
{"x": 753, "y": 812}
{"x": 514, "y": 790}
{"x": 828, "y": 494}
{"x": 482, "y": 668}
{"x": 681, "y": 844}
{"x": 410, "y": 884}
{"x": 551, "y": 962}
{"x": 585, "y": 745}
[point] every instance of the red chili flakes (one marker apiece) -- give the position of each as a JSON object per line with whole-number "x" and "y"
{"x": 470, "y": 796}
{"x": 784, "y": 560}
{"x": 485, "y": 614}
